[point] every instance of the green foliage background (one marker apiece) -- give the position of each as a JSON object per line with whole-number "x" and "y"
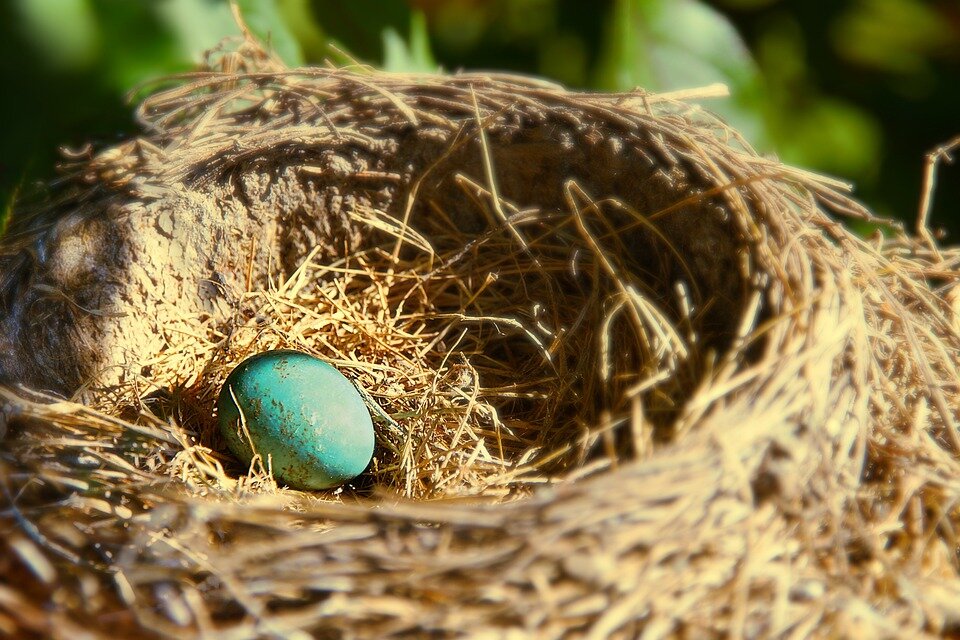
{"x": 861, "y": 89}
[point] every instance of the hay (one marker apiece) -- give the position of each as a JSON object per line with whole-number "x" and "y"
{"x": 633, "y": 379}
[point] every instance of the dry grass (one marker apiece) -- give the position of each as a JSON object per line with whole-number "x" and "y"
{"x": 577, "y": 444}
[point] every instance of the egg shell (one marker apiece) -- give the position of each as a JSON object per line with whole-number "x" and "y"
{"x": 301, "y": 414}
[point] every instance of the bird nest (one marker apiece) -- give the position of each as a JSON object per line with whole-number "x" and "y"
{"x": 629, "y": 377}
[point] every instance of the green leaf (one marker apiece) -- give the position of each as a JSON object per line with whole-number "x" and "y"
{"x": 6, "y": 213}
{"x": 266, "y": 21}
{"x": 360, "y": 25}
{"x": 415, "y": 56}
{"x": 896, "y": 36}
{"x": 151, "y": 39}
{"x": 64, "y": 31}
{"x": 300, "y": 21}
{"x": 830, "y": 135}
{"x": 200, "y": 24}
{"x": 73, "y": 61}
{"x": 807, "y": 127}
{"x": 664, "y": 45}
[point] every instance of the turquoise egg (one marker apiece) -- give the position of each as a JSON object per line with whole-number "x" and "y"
{"x": 301, "y": 414}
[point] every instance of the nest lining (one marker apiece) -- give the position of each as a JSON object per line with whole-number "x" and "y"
{"x": 501, "y": 351}
{"x": 772, "y": 401}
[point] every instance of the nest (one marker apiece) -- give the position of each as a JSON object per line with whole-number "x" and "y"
{"x": 630, "y": 378}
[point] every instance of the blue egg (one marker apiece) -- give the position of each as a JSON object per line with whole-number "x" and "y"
{"x": 301, "y": 414}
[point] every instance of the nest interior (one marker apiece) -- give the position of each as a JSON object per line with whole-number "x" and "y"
{"x": 631, "y": 378}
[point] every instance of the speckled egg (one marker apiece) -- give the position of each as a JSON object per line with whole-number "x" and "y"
{"x": 301, "y": 414}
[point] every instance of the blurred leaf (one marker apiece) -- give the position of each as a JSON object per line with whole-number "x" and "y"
{"x": 415, "y": 56}
{"x": 564, "y": 57}
{"x": 266, "y": 21}
{"x": 146, "y": 40}
{"x": 137, "y": 46}
{"x": 663, "y": 45}
{"x": 359, "y": 25}
{"x": 781, "y": 52}
{"x": 6, "y": 214}
{"x": 746, "y": 4}
{"x": 527, "y": 19}
{"x": 459, "y": 25}
{"x": 897, "y": 36}
{"x": 299, "y": 19}
{"x": 808, "y": 129}
{"x": 64, "y": 31}
{"x": 198, "y": 25}
{"x": 73, "y": 61}
{"x": 832, "y": 136}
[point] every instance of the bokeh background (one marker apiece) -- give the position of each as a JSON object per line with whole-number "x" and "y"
{"x": 859, "y": 89}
